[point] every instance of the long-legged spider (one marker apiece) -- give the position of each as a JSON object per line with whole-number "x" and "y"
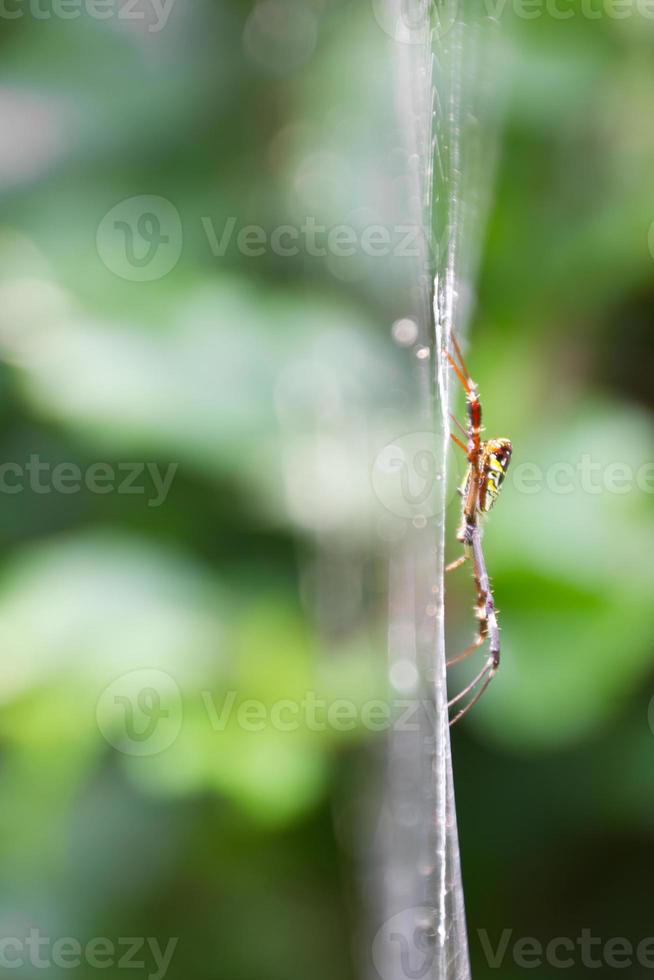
{"x": 488, "y": 461}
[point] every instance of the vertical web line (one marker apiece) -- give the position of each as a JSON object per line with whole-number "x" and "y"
{"x": 444, "y": 85}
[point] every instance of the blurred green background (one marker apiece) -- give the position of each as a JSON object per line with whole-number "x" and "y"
{"x": 259, "y": 378}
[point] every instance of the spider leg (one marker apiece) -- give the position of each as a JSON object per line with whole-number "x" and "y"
{"x": 457, "y": 348}
{"x": 486, "y": 674}
{"x": 462, "y": 428}
{"x": 488, "y": 626}
{"x": 486, "y": 596}
{"x": 459, "y": 363}
{"x": 486, "y": 669}
{"x": 457, "y": 442}
{"x": 459, "y": 373}
{"x": 457, "y": 563}
{"x": 473, "y": 701}
{"x": 472, "y": 396}
{"x": 478, "y": 641}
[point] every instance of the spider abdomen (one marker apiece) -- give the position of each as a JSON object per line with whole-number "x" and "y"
{"x": 495, "y": 459}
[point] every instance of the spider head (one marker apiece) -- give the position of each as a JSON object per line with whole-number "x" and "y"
{"x": 495, "y": 463}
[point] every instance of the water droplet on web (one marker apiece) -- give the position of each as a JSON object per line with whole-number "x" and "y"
{"x": 403, "y": 676}
{"x": 405, "y": 332}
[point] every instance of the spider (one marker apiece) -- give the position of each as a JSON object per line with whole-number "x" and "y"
{"x": 488, "y": 461}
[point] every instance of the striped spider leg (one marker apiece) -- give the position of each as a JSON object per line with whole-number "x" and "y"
{"x": 488, "y": 462}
